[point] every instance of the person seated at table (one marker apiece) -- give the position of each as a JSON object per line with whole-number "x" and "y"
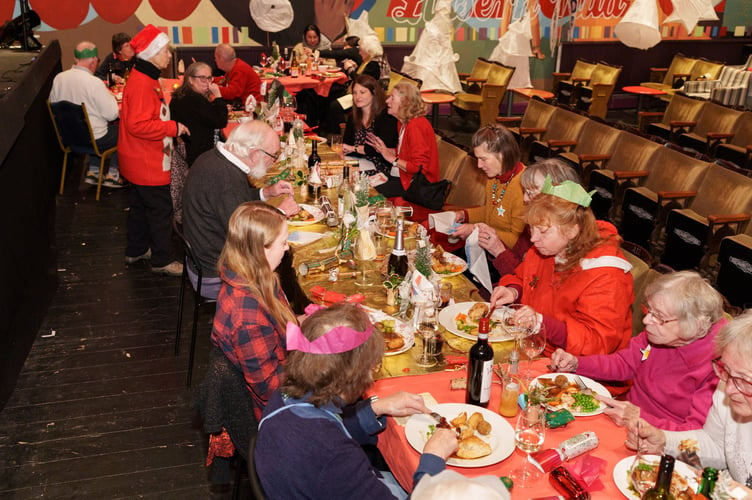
{"x": 502, "y": 219}
{"x": 504, "y": 259}
{"x": 252, "y": 310}
{"x": 217, "y": 183}
{"x": 669, "y": 362}
{"x": 416, "y": 147}
{"x": 312, "y": 41}
{"x": 239, "y": 80}
{"x": 575, "y": 281}
{"x": 349, "y": 51}
{"x": 119, "y": 61}
{"x": 310, "y": 436}
{"x": 451, "y": 485}
{"x": 725, "y": 440}
{"x": 369, "y": 116}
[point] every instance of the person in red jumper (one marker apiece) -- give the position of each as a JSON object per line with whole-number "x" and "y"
{"x": 145, "y": 147}
{"x": 239, "y": 80}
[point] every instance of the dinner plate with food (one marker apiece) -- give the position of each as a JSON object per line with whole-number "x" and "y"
{"x": 635, "y": 477}
{"x": 390, "y": 230}
{"x": 562, "y": 391}
{"x": 309, "y": 214}
{"x": 398, "y": 335}
{"x": 444, "y": 264}
{"x": 331, "y": 74}
{"x": 485, "y": 438}
{"x": 462, "y": 320}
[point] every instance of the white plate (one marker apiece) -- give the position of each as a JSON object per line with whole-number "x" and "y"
{"x": 390, "y": 235}
{"x": 301, "y": 238}
{"x": 317, "y": 138}
{"x": 317, "y": 213}
{"x": 592, "y": 384}
{"x": 449, "y": 257}
{"x": 447, "y": 315}
{"x": 501, "y": 438}
{"x": 622, "y": 469}
{"x": 401, "y": 327}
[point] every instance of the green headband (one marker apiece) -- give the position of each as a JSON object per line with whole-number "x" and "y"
{"x": 86, "y": 53}
{"x": 568, "y": 190}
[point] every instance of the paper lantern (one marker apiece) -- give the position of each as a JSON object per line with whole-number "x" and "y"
{"x": 689, "y": 12}
{"x": 639, "y": 26}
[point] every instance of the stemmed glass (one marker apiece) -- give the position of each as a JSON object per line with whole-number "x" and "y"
{"x": 529, "y": 434}
{"x": 533, "y": 345}
{"x": 426, "y": 326}
{"x": 517, "y": 331}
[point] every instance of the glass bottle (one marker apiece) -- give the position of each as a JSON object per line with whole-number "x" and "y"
{"x": 314, "y": 160}
{"x": 661, "y": 490}
{"x": 479, "y": 367}
{"x": 294, "y": 68}
{"x": 709, "y": 478}
{"x": 344, "y": 192}
{"x": 398, "y": 258}
{"x": 110, "y": 75}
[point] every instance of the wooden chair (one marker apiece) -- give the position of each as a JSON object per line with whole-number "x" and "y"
{"x": 561, "y": 133}
{"x": 685, "y": 69}
{"x": 593, "y": 148}
{"x": 715, "y": 125}
{"x": 720, "y": 208}
{"x": 564, "y": 83}
{"x": 678, "y": 115}
{"x": 471, "y": 82}
{"x": 199, "y": 299}
{"x": 74, "y": 135}
{"x": 628, "y": 166}
{"x": 594, "y": 96}
{"x": 492, "y": 92}
{"x": 671, "y": 182}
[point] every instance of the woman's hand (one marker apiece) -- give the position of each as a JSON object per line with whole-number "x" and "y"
{"x": 526, "y": 317}
{"x": 347, "y": 149}
{"x": 651, "y": 439}
{"x": 562, "y": 361}
{"x": 377, "y": 143}
{"x": 399, "y": 404}
{"x": 463, "y": 230}
{"x": 349, "y": 65}
{"x": 489, "y": 240}
{"x": 442, "y": 444}
{"x": 621, "y": 412}
{"x": 503, "y": 295}
{"x": 182, "y": 130}
{"x": 214, "y": 90}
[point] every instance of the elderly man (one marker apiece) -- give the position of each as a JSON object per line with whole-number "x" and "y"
{"x": 218, "y": 182}
{"x": 239, "y": 80}
{"x": 79, "y": 85}
{"x": 119, "y": 61}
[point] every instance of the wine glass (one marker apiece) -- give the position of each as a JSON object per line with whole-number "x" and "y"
{"x": 335, "y": 143}
{"x": 365, "y": 252}
{"x": 428, "y": 332}
{"x": 529, "y": 434}
{"x": 511, "y": 326}
{"x": 533, "y": 345}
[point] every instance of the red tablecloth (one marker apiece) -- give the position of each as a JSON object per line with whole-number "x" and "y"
{"x": 403, "y": 459}
{"x": 321, "y": 86}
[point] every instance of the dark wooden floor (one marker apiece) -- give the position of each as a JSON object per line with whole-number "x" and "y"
{"x": 101, "y": 409}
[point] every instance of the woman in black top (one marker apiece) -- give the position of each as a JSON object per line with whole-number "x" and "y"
{"x": 369, "y": 116}
{"x": 192, "y": 104}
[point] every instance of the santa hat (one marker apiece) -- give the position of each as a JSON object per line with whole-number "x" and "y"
{"x": 148, "y": 42}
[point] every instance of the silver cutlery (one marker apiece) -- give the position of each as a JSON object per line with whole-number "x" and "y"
{"x": 584, "y": 389}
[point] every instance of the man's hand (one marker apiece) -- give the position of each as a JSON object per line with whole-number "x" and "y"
{"x": 288, "y": 206}
{"x": 400, "y": 404}
{"x": 278, "y": 189}
{"x": 442, "y": 444}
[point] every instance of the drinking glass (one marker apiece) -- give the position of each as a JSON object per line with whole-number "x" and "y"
{"x": 515, "y": 330}
{"x": 533, "y": 345}
{"x": 529, "y": 434}
{"x": 365, "y": 252}
{"x": 445, "y": 293}
{"x": 427, "y": 331}
{"x": 335, "y": 143}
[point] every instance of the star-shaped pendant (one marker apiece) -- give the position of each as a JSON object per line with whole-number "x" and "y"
{"x": 500, "y": 210}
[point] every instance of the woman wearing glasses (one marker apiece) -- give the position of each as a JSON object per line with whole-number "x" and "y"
{"x": 725, "y": 440}
{"x": 669, "y": 362}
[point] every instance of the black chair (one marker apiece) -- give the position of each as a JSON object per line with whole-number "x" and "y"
{"x": 256, "y": 488}
{"x": 224, "y": 402}
{"x": 198, "y": 299}
{"x": 74, "y": 135}
{"x": 734, "y": 279}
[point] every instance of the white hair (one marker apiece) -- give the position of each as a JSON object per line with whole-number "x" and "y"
{"x": 451, "y": 485}
{"x": 248, "y": 136}
{"x": 371, "y": 46}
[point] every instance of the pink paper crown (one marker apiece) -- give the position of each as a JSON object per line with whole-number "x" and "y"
{"x": 338, "y": 339}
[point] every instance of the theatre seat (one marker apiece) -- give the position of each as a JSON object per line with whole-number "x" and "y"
{"x": 530, "y": 125}
{"x": 486, "y": 102}
{"x": 593, "y": 148}
{"x": 594, "y": 96}
{"x": 561, "y": 133}
{"x": 471, "y": 82}
{"x": 734, "y": 278}
{"x": 738, "y": 150}
{"x": 565, "y": 83}
{"x": 715, "y": 125}
{"x": 680, "y": 113}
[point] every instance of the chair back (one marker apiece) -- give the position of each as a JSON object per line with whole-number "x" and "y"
{"x": 680, "y": 64}
{"x": 716, "y": 118}
{"x": 682, "y": 108}
{"x": 451, "y": 156}
{"x": 468, "y": 184}
{"x": 582, "y": 69}
{"x": 639, "y": 272}
{"x": 632, "y": 152}
{"x": 72, "y": 126}
{"x": 640, "y": 285}
{"x": 190, "y": 256}
{"x": 675, "y": 171}
{"x": 605, "y": 74}
{"x": 480, "y": 71}
{"x": 564, "y": 125}
{"x": 537, "y": 114}
{"x": 723, "y": 192}
{"x": 705, "y": 68}
{"x": 743, "y": 132}
{"x": 396, "y": 77}
{"x": 597, "y": 138}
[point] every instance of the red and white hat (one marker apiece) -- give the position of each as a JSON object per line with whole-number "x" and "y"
{"x": 148, "y": 42}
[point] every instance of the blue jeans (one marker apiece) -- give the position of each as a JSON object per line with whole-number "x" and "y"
{"x": 104, "y": 143}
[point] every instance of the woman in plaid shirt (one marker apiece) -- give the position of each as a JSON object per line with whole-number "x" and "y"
{"x": 252, "y": 310}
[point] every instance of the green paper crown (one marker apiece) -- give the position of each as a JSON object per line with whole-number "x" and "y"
{"x": 85, "y": 53}
{"x": 568, "y": 190}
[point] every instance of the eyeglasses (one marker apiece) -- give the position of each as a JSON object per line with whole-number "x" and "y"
{"x": 660, "y": 321}
{"x": 273, "y": 157}
{"x": 203, "y": 78}
{"x": 742, "y": 385}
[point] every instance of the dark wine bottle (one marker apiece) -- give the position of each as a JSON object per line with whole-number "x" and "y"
{"x": 662, "y": 488}
{"x": 398, "y": 258}
{"x": 479, "y": 367}
{"x": 709, "y": 478}
{"x": 110, "y": 75}
{"x": 314, "y": 159}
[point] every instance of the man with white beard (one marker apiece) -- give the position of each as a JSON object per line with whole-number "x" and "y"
{"x": 218, "y": 182}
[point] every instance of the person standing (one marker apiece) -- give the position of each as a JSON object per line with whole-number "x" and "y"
{"x": 79, "y": 85}
{"x": 239, "y": 80}
{"x": 119, "y": 61}
{"x": 145, "y": 145}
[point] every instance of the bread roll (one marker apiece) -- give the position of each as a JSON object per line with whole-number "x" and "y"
{"x": 478, "y": 310}
{"x": 473, "y": 447}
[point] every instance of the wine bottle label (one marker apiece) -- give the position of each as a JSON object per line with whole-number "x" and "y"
{"x": 485, "y": 390}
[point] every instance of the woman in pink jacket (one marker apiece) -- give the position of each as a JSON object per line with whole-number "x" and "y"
{"x": 144, "y": 148}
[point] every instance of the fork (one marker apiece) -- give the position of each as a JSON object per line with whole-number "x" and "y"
{"x": 638, "y": 455}
{"x": 584, "y": 389}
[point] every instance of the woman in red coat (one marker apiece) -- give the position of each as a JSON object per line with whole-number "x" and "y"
{"x": 416, "y": 147}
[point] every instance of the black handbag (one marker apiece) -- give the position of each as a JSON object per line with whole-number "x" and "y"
{"x": 426, "y": 193}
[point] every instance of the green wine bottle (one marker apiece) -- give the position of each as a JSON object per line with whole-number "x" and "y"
{"x": 662, "y": 488}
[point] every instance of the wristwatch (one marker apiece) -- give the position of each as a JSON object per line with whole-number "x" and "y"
{"x": 395, "y": 162}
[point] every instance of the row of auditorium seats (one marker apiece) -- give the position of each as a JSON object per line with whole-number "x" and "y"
{"x": 588, "y": 87}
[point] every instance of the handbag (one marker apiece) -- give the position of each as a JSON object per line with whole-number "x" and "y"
{"x": 426, "y": 193}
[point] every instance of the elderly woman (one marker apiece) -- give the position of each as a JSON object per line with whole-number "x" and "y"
{"x": 369, "y": 116}
{"x": 144, "y": 151}
{"x": 416, "y": 148}
{"x": 725, "y": 440}
{"x": 669, "y": 362}
{"x": 309, "y": 439}
{"x": 574, "y": 280}
{"x": 252, "y": 310}
{"x": 506, "y": 259}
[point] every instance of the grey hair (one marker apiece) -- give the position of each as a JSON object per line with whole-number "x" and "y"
{"x": 371, "y": 45}
{"x": 248, "y": 136}
{"x": 737, "y": 335}
{"x": 557, "y": 169}
{"x": 696, "y": 304}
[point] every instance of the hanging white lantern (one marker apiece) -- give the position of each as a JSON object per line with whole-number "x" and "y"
{"x": 689, "y": 12}
{"x": 639, "y": 26}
